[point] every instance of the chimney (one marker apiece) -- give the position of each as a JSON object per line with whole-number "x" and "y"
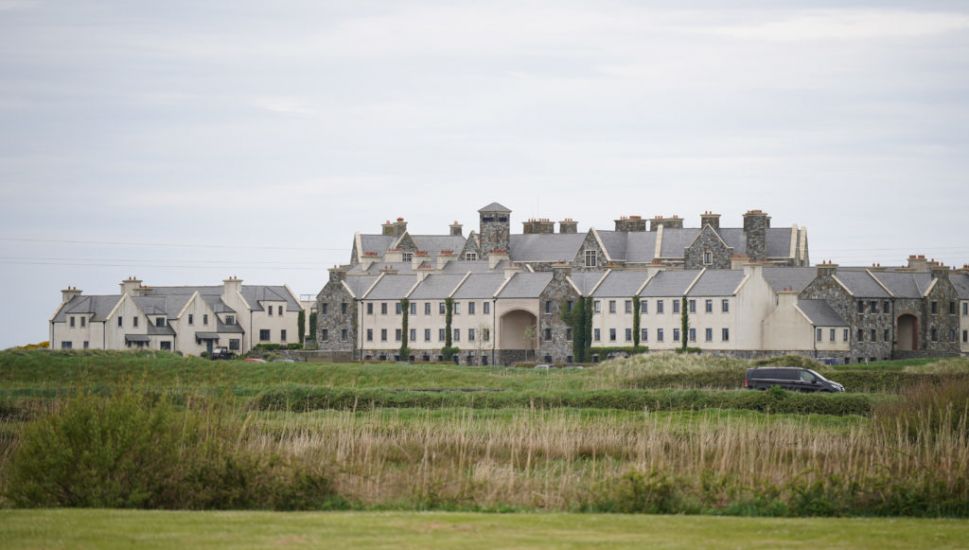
{"x": 918, "y": 262}
{"x": 69, "y": 294}
{"x": 756, "y": 224}
{"x": 568, "y": 226}
{"x": 673, "y": 222}
{"x": 711, "y": 219}
{"x": 536, "y": 226}
{"x": 231, "y": 285}
{"x": 827, "y": 269}
{"x": 443, "y": 257}
{"x": 130, "y": 285}
{"x": 497, "y": 256}
{"x": 457, "y": 230}
{"x": 394, "y": 229}
{"x": 418, "y": 258}
{"x": 561, "y": 271}
{"x": 940, "y": 272}
{"x": 631, "y": 224}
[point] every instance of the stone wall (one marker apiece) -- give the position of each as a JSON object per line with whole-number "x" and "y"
{"x": 494, "y": 232}
{"x": 708, "y": 240}
{"x": 756, "y": 224}
{"x": 558, "y": 293}
{"x": 946, "y": 325}
{"x": 590, "y": 243}
{"x": 826, "y": 288}
{"x": 334, "y": 295}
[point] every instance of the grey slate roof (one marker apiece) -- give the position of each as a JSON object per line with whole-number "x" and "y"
{"x": 480, "y": 285}
{"x": 480, "y": 266}
{"x": 256, "y": 293}
{"x": 376, "y": 243}
{"x": 860, "y": 283}
{"x": 669, "y": 283}
{"x": 495, "y": 207}
{"x": 585, "y": 281}
{"x": 821, "y": 314}
{"x": 675, "y": 241}
{"x": 168, "y": 305}
{"x": 622, "y": 284}
{"x": 545, "y": 247}
{"x": 904, "y": 285}
{"x": 961, "y": 282}
{"x": 793, "y": 278}
{"x": 526, "y": 285}
{"x": 376, "y": 268}
{"x": 160, "y": 331}
{"x": 640, "y": 246}
{"x": 436, "y": 287}
{"x": 98, "y": 306}
{"x": 360, "y": 283}
{"x": 718, "y": 282}
{"x": 434, "y": 244}
{"x": 392, "y": 287}
{"x": 615, "y": 243}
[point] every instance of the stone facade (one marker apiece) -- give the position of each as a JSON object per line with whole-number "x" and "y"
{"x": 568, "y": 226}
{"x": 756, "y": 224}
{"x": 553, "y": 304}
{"x": 336, "y": 312}
{"x": 827, "y": 288}
{"x": 631, "y": 223}
{"x": 538, "y": 226}
{"x": 708, "y": 242}
{"x": 495, "y": 232}
{"x": 941, "y": 334}
{"x": 590, "y": 244}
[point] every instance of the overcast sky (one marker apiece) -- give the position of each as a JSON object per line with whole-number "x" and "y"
{"x": 183, "y": 141}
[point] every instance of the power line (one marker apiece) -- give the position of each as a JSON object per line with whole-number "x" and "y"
{"x": 161, "y": 266}
{"x": 168, "y": 245}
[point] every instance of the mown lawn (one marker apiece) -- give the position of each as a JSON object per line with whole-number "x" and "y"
{"x": 128, "y": 529}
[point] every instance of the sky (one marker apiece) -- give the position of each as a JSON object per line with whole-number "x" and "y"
{"x": 185, "y": 141}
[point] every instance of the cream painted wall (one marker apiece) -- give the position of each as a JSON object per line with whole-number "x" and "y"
{"x": 514, "y": 329}
{"x": 963, "y": 326}
{"x": 128, "y": 311}
{"x": 620, "y": 321}
{"x": 275, "y": 324}
{"x": 92, "y": 333}
{"x": 198, "y": 309}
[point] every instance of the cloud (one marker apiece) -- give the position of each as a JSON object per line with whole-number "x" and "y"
{"x": 847, "y": 24}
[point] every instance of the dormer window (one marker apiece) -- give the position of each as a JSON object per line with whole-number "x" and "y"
{"x": 471, "y": 256}
{"x": 230, "y": 319}
{"x": 407, "y": 256}
{"x": 707, "y": 257}
{"x": 591, "y": 258}
{"x": 159, "y": 321}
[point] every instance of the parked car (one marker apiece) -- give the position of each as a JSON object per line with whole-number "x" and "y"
{"x": 221, "y": 353}
{"x": 789, "y": 378}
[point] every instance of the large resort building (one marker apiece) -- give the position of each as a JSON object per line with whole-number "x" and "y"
{"x": 749, "y": 291}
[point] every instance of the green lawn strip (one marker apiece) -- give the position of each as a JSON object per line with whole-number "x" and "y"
{"x": 127, "y": 529}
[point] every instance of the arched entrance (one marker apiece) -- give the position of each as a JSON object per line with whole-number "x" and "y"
{"x": 908, "y": 333}
{"x": 518, "y": 332}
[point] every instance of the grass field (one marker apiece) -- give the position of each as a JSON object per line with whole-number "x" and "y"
{"x": 52, "y": 529}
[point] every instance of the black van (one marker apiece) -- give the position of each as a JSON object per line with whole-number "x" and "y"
{"x": 789, "y": 378}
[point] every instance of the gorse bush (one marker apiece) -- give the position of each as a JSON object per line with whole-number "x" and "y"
{"x": 134, "y": 450}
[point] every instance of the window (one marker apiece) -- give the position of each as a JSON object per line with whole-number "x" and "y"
{"x": 965, "y": 309}
{"x": 548, "y": 306}
{"x": 628, "y": 306}
{"x": 817, "y": 335}
{"x": 407, "y": 256}
{"x": 873, "y": 306}
{"x": 325, "y": 335}
{"x": 861, "y": 335}
{"x": 676, "y": 335}
{"x": 205, "y": 319}
{"x": 612, "y": 335}
{"x": 692, "y": 304}
{"x": 629, "y": 335}
{"x": 725, "y": 306}
{"x": 282, "y": 335}
{"x": 471, "y": 334}
{"x": 886, "y": 307}
{"x": 457, "y": 335}
{"x": 965, "y": 337}
{"x": 72, "y": 321}
{"x": 383, "y": 308}
{"x": 427, "y": 335}
{"x": 134, "y": 321}
{"x": 725, "y": 334}
{"x": 597, "y": 306}
{"x": 831, "y": 335}
{"x": 398, "y": 308}
{"x": 676, "y": 306}
{"x": 383, "y": 335}
{"x": 692, "y": 333}
{"x": 427, "y": 308}
{"x": 471, "y": 256}
{"x": 644, "y": 307}
{"x": 413, "y": 335}
{"x": 413, "y": 308}
{"x": 370, "y": 335}
{"x": 471, "y": 308}
{"x": 270, "y": 310}
{"x": 326, "y": 309}
{"x": 88, "y": 344}
{"x": 952, "y": 308}
{"x": 659, "y": 335}
{"x": 398, "y": 334}
{"x": 612, "y": 306}
{"x": 874, "y": 335}
{"x": 264, "y": 335}
{"x": 230, "y": 319}
{"x": 83, "y": 321}
{"x": 441, "y": 308}
{"x": 441, "y": 336}
{"x": 591, "y": 258}
{"x": 280, "y": 310}
{"x": 952, "y": 335}
{"x": 596, "y": 335}
{"x": 888, "y": 336}
{"x": 234, "y": 344}
{"x": 486, "y": 307}
{"x": 369, "y": 308}
{"x": 935, "y": 308}
{"x": 844, "y": 335}
{"x": 120, "y": 321}
{"x": 935, "y": 334}
{"x": 568, "y": 305}
{"x": 159, "y": 321}
{"x": 486, "y": 334}
{"x": 708, "y": 335}
{"x": 66, "y": 345}
{"x": 861, "y": 306}
{"x": 191, "y": 319}
{"x": 644, "y": 335}
{"x": 707, "y": 257}
{"x": 456, "y": 308}
{"x": 659, "y": 306}
{"x": 547, "y": 333}
{"x": 344, "y": 335}
{"x": 708, "y": 306}
{"x": 568, "y": 334}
